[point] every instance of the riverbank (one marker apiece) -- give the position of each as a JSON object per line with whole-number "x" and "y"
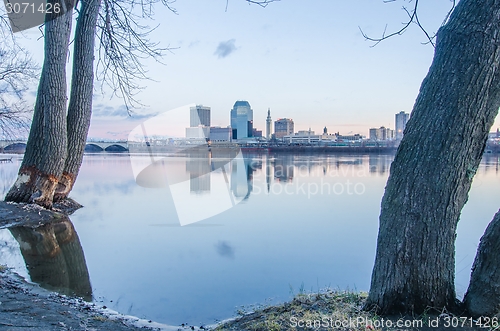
{"x": 25, "y": 306}
{"x": 341, "y": 310}
{"x": 48, "y": 239}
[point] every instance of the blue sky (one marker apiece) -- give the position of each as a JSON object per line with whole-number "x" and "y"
{"x": 305, "y": 60}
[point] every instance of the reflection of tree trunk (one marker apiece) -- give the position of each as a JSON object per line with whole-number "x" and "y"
{"x": 54, "y": 257}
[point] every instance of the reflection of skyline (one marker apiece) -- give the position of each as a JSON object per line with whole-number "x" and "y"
{"x": 489, "y": 162}
{"x": 199, "y": 173}
{"x": 379, "y": 163}
{"x": 240, "y": 179}
{"x": 283, "y": 168}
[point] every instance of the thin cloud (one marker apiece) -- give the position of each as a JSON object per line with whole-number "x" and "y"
{"x": 225, "y": 48}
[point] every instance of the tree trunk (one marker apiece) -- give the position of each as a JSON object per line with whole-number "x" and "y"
{"x": 80, "y": 103}
{"x": 46, "y": 148}
{"x": 433, "y": 169}
{"x": 483, "y": 295}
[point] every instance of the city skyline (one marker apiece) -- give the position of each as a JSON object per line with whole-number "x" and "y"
{"x": 309, "y": 63}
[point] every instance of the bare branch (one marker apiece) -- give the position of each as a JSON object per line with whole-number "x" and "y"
{"x": 412, "y": 18}
{"x": 124, "y": 44}
{"x": 262, "y": 3}
{"x": 17, "y": 74}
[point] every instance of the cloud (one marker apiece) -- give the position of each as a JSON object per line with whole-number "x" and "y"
{"x": 119, "y": 112}
{"x": 225, "y": 48}
{"x": 101, "y": 110}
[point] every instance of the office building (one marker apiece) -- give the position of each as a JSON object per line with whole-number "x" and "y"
{"x": 199, "y": 122}
{"x": 256, "y": 133}
{"x": 401, "y": 120}
{"x": 381, "y": 133}
{"x": 199, "y": 115}
{"x": 242, "y": 120}
{"x": 283, "y": 127}
{"x": 218, "y": 134}
{"x": 199, "y": 132}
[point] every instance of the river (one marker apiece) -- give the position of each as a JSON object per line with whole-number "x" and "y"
{"x": 198, "y": 239}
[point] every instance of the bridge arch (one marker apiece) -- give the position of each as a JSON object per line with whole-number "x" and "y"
{"x": 15, "y": 147}
{"x": 93, "y": 148}
{"x": 115, "y": 148}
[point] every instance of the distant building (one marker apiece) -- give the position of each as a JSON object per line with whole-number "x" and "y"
{"x": 199, "y": 132}
{"x": 218, "y": 134}
{"x": 308, "y": 137}
{"x": 241, "y": 120}
{"x": 381, "y": 133}
{"x": 256, "y": 133}
{"x": 283, "y": 127}
{"x": 199, "y": 115}
{"x": 268, "y": 124}
{"x": 199, "y": 122}
{"x": 401, "y": 120}
{"x": 352, "y": 137}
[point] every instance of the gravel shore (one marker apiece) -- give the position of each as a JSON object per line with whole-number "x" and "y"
{"x": 25, "y": 306}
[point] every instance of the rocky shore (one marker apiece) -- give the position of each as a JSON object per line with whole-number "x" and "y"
{"x": 25, "y": 306}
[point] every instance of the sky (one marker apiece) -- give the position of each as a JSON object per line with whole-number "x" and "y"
{"x": 305, "y": 60}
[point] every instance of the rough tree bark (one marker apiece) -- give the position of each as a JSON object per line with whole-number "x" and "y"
{"x": 483, "y": 295}
{"x": 80, "y": 103}
{"x": 432, "y": 172}
{"x": 46, "y": 147}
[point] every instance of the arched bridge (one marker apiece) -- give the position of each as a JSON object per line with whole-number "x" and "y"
{"x": 13, "y": 145}
{"x": 107, "y": 146}
{"x": 91, "y": 146}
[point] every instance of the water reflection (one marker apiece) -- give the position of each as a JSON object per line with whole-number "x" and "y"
{"x": 490, "y": 162}
{"x": 283, "y": 168}
{"x": 224, "y": 249}
{"x": 309, "y": 230}
{"x": 380, "y": 163}
{"x": 54, "y": 257}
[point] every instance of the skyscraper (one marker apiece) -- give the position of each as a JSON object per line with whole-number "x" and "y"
{"x": 268, "y": 124}
{"x": 283, "y": 127}
{"x": 242, "y": 120}
{"x": 199, "y": 122}
{"x": 401, "y": 120}
{"x": 199, "y": 115}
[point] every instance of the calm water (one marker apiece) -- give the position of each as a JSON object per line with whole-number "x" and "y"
{"x": 197, "y": 245}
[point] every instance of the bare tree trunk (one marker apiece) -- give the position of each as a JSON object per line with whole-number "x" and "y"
{"x": 46, "y": 148}
{"x": 483, "y": 295}
{"x": 433, "y": 169}
{"x": 80, "y": 103}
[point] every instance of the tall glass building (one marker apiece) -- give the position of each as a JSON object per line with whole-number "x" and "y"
{"x": 242, "y": 120}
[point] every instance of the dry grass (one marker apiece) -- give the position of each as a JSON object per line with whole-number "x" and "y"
{"x": 319, "y": 311}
